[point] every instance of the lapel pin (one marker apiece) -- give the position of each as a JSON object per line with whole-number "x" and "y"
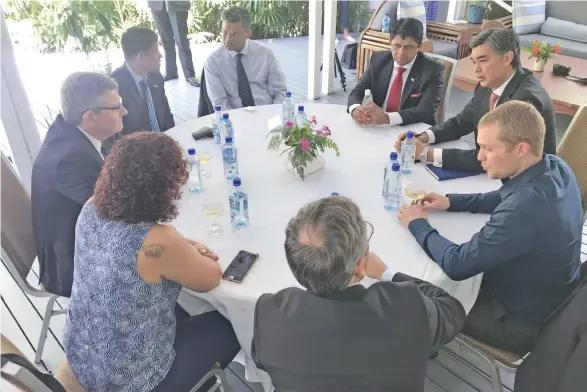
{"x": 158, "y": 86}
{"x": 412, "y": 79}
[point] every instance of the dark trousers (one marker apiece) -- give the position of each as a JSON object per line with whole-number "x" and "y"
{"x": 490, "y": 323}
{"x": 200, "y": 342}
{"x": 344, "y": 14}
{"x": 173, "y": 29}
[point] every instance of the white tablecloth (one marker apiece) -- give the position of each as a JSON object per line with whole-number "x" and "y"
{"x": 275, "y": 195}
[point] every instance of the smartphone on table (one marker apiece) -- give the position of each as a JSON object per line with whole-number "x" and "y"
{"x": 240, "y": 266}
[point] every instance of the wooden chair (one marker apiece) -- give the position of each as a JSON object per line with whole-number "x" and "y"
{"x": 450, "y": 68}
{"x": 65, "y": 376}
{"x": 505, "y": 22}
{"x": 573, "y": 149}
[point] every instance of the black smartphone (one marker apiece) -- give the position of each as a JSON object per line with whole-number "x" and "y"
{"x": 240, "y": 266}
{"x": 202, "y": 133}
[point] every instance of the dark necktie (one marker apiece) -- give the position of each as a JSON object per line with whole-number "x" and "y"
{"x": 244, "y": 88}
{"x": 153, "y": 123}
{"x": 395, "y": 92}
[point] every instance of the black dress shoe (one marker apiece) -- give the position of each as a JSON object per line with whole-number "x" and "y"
{"x": 193, "y": 81}
{"x": 167, "y": 77}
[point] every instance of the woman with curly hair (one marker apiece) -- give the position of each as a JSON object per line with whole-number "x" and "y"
{"x": 124, "y": 329}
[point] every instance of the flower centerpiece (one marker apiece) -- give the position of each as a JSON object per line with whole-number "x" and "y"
{"x": 542, "y": 51}
{"x": 304, "y": 145}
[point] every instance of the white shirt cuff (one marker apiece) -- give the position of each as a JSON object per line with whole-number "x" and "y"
{"x": 353, "y": 107}
{"x": 395, "y": 119}
{"x": 438, "y": 157}
{"x": 388, "y": 275}
{"x": 431, "y": 137}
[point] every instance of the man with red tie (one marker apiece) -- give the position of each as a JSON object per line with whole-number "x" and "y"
{"x": 406, "y": 85}
{"x": 496, "y": 57}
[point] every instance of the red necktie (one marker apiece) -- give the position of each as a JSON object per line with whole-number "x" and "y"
{"x": 395, "y": 92}
{"x": 493, "y": 101}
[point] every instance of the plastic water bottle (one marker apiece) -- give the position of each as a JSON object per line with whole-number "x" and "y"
{"x": 216, "y": 124}
{"x": 195, "y": 183}
{"x": 392, "y": 159}
{"x": 368, "y": 98}
{"x": 301, "y": 118}
{"x": 408, "y": 153}
{"x": 229, "y": 159}
{"x": 239, "y": 205}
{"x": 226, "y": 129}
{"x": 393, "y": 188}
{"x": 386, "y": 24}
{"x": 288, "y": 109}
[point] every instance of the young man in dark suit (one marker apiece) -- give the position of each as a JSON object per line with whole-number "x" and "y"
{"x": 496, "y": 57}
{"x": 338, "y": 335}
{"x": 141, "y": 84}
{"x": 171, "y": 20}
{"x": 406, "y": 85}
{"x": 66, "y": 169}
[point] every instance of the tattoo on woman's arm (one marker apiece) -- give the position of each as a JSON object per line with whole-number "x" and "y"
{"x": 153, "y": 251}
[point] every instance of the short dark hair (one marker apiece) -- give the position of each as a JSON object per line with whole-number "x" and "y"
{"x": 408, "y": 27}
{"x": 141, "y": 179}
{"x": 137, "y": 40}
{"x": 237, "y": 14}
{"x": 500, "y": 41}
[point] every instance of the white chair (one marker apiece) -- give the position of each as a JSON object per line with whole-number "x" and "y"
{"x": 450, "y": 68}
{"x": 18, "y": 244}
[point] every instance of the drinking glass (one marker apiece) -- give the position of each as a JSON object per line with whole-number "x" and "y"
{"x": 414, "y": 192}
{"x": 213, "y": 209}
{"x": 204, "y": 157}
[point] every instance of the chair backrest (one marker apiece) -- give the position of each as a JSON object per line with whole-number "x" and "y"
{"x": 573, "y": 149}
{"x": 18, "y": 241}
{"x": 204, "y": 105}
{"x": 450, "y": 67}
{"x": 65, "y": 376}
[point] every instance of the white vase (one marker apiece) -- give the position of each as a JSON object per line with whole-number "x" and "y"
{"x": 312, "y": 166}
{"x": 538, "y": 65}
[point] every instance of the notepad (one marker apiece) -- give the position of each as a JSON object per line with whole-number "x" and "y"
{"x": 446, "y": 174}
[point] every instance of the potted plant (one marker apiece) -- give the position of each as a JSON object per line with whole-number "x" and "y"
{"x": 542, "y": 51}
{"x": 304, "y": 145}
{"x": 477, "y": 12}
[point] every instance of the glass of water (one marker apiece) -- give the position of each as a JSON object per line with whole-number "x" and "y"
{"x": 213, "y": 209}
{"x": 204, "y": 157}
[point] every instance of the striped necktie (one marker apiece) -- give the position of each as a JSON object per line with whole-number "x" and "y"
{"x": 150, "y": 106}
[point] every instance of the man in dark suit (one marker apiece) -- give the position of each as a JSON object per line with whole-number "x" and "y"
{"x": 171, "y": 20}
{"x": 496, "y": 55}
{"x": 406, "y": 86}
{"x": 141, "y": 85}
{"x": 66, "y": 169}
{"x": 338, "y": 335}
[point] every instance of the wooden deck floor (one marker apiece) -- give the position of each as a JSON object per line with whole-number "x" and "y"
{"x": 22, "y": 315}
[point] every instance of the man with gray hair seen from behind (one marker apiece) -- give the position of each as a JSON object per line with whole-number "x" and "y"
{"x": 495, "y": 54}
{"x": 529, "y": 249}
{"x": 242, "y": 72}
{"x": 66, "y": 169}
{"x": 338, "y": 335}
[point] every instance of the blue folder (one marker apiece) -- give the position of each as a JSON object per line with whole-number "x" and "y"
{"x": 446, "y": 174}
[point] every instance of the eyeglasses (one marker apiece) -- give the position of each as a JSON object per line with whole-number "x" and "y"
{"x": 370, "y": 230}
{"x": 99, "y": 108}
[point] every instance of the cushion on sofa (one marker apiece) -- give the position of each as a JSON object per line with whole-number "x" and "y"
{"x": 572, "y": 11}
{"x": 564, "y": 29}
{"x": 528, "y": 16}
{"x": 568, "y": 47}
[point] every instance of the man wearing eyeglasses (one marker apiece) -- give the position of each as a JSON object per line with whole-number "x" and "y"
{"x": 66, "y": 169}
{"x": 338, "y": 335}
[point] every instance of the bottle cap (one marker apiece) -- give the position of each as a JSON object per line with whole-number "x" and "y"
{"x": 410, "y": 135}
{"x": 367, "y": 92}
{"x": 218, "y": 108}
{"x": 225, "y": 116}
{"x": 191, "y": 151}
{"x": 395, "y": 167}
{"x": 288, "y": 93}
{"x": 228, "y": 140}
{"x": 236, "y": 181}
{"x": 393, "y": 156}
{"x": 301, "y": 108}
{"x": 335, "y": 194}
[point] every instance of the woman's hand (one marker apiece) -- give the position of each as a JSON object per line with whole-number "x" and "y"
{"x": 203, "y": 249}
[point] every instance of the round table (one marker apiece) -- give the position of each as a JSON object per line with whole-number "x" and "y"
{"x": 276, "y": 194}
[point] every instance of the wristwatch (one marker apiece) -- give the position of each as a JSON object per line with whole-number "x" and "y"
{"x": 424, "y": 155}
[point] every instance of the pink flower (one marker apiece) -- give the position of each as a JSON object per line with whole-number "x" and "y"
{"x": 304, "y": 144}
{"x": 326, "y": 131}
{"x": 288, "y": 124}
{"x": 320, "y": 133}
{"x": 313, "y": 118}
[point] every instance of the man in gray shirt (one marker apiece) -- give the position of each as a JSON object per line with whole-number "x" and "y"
{"x": 242, "y": 72}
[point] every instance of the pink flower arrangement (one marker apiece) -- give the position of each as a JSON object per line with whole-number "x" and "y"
{"x": 304, "y": 145}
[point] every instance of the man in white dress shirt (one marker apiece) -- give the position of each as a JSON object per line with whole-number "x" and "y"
{"x": 242, "y": 72}
{"x": 406, "y": 85}
{"x": 496, "y": 57}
